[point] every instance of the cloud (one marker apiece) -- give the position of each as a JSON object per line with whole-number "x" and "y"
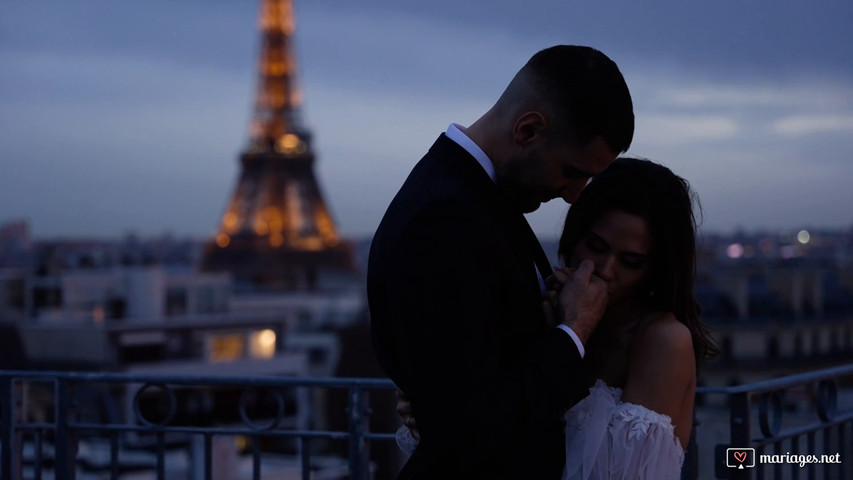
{"x": 756, "y": 101}
{"x": 679, "y": 129}
{"x": 800, "y": 125}
{"x": 814, "y": 95}
{"x": 676, "y": 110}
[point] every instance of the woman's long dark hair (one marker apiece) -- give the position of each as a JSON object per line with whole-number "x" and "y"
{"x": 665, "y": 200}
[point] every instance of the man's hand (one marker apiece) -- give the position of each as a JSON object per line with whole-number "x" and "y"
{"x": 582, "y": 299}
{"x": 404, "y": 410}
{"x": 551, "y": 298}
{"x": 554, "y": 283}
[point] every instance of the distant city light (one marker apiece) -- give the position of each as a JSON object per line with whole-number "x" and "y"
{"x": 262, "y": 344}
{"x": 267, "y": 338}
{"x": 288, "y": 142}
{"x": 230, "y": 221}
{"x": 276, "y": 239}
{"x": 803, "y": 237}
{"x": 766, "y": 246}
{"x": 787, "y": 251}
{"x": 98, "y": 315}
{"x": 735, "y": 250}
{"x": 261, "y": 226}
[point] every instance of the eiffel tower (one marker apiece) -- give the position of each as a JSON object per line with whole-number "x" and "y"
{"x": 277, "y": 232}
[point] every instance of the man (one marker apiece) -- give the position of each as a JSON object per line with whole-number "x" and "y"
{"x": 455, "y": 273}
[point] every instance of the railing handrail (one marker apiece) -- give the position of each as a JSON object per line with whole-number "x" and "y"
{"x": 781, "y": 382}
{"x": 374, "y": 382}
{"x": 254, "y": 380}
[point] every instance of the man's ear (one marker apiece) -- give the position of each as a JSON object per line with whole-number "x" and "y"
{"x": 529, "y": 127}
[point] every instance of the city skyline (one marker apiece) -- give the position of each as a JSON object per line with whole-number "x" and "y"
{"x": 127, "y": 116}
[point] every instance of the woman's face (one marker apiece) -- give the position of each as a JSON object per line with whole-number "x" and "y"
{"x": 620, "y": 246}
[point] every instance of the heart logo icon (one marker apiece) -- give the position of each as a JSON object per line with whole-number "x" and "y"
{"x": 740, "y": 456}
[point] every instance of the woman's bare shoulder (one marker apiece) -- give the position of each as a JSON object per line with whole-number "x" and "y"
{"x": 663, "y": 348}
{"x": 661, "y": 368}
{"x": 662, "y": 331}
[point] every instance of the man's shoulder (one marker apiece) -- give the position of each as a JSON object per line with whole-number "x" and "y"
{"x": 435, "y": 218}
{"x": 444, "y": 172}
{"x": 436, "y": 188}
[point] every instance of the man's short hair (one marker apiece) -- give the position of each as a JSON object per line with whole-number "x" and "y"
{"x": 587, "y": 91}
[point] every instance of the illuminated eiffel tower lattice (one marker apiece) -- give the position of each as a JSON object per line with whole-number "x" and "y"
{"x": 277, "y": 231}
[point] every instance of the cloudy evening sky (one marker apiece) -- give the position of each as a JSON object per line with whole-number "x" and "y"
{"x": 130, "y": 115}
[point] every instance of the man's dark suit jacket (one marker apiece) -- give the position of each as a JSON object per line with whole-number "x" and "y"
{"x": 457, "y": 323}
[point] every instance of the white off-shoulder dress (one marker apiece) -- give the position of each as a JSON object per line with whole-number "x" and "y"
{"x": 607, "y": 438}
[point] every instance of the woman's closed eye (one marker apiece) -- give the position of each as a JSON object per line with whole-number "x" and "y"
{"x": 631, "y": 260}
{"x": 634, "y": 261}
{"x": 596, "y": 243}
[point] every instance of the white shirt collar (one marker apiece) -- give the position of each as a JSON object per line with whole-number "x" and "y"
{"x": 455, "y": 133}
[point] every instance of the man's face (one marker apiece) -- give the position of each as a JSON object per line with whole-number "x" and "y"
{"x": 548, "y": 170}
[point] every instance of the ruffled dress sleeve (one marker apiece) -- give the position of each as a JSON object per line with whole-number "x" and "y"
{"x": 607, "y": 438}
{"x": 406, "y": 441}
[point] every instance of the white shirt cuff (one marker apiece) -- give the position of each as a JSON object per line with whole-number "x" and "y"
{"x": 574, "y": 336}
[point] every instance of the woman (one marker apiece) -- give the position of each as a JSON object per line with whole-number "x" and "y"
{"x": 635, "y": 222}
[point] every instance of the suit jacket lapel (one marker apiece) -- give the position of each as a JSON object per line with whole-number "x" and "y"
{"x": 528, "y": 245}
{"x": 539, "y": 256}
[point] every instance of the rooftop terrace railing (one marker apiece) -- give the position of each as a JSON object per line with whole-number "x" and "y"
{"x": 785, "y": 419}
{"x": 798, "y": 426}
{"x": 56, "y": 437}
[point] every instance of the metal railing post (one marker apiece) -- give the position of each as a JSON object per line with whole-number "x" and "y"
{"x": 66, "y": 440}
{"x": 358, "y": 455}
{"x": 7, "y": 405}
{"x": 690, "y": 468}
{"x": 741, "y": 430}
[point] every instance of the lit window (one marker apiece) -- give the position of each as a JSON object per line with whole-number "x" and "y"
{"x": 262, "y": 344}
{"x": 227, "y": 348}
